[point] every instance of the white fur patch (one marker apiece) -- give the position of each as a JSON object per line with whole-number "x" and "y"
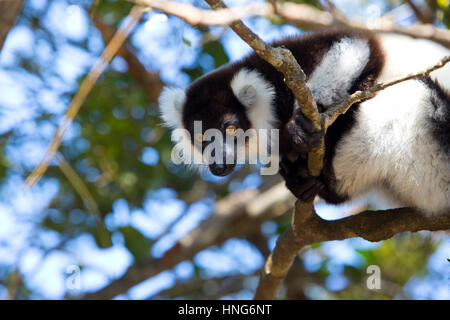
{"x": 185, "y": 152}
{"x": 340, "y": 66}
{"x": 171, "y": 103}
{"x": 406, "y": 55}
{"x": 391, "y": 146}
{"x": 257, "y": 94}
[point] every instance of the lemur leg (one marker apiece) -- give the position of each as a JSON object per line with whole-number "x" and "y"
{"x": 298, "y": 180}
{"x": 301, "y": 133}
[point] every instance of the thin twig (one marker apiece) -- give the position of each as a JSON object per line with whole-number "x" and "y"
{"x": 79, "y": 186}
{"x": 86, "y": 86}
{"x": 150, "y": 82}
{"x": 333, "y": 112}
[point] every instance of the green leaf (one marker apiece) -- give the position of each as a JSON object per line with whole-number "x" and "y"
{"x": 186, "y": 42}
{"x": 102, "y": 237}
{"x": 216, "y": 50}
{"x": 137, "y": 243}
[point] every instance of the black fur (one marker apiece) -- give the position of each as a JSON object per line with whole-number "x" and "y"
{"x": 440, "y": 117}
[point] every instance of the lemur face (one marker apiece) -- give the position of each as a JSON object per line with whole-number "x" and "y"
{"x": 219, "y": 112}
{"x": 216, "y": 112}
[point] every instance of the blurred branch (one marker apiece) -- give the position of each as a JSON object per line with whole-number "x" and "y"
{"x": 79, "y": 186}
{"x": 195, "y": 16}
{"x": 424, "y": 15}
{"x": 236, "y": 216}
{"x": 335, "y": 11}
{"x": 14, "y": 283}
{"x": 198, "y": 288}
{"x": 260, "y": 241}
{"x": 150, "y": 82}
{"x": 9, "y": 10}
{"x": 307, "y": 17}
{"x": 302, "y": 15}
{"x": 297, "y": 279}
{"x": 86, "y": 86}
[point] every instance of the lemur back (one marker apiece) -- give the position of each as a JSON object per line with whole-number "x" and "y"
{"x": 401, "y": 137}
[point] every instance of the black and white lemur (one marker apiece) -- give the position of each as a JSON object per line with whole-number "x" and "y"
{"x": 397, "y": 142}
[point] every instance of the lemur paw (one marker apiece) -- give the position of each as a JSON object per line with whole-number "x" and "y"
{"x": 301, "y": 133}
{"x": 298, "y": 181}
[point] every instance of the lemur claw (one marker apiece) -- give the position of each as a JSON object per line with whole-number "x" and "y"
{"x": 302, "y": 133}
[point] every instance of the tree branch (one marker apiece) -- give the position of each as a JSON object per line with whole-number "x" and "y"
{"x": 79, "y": 186}
{"x": 150, "y": 82}
{"x": 369, "y": 225}
{"x": 303, "y": 16}
{"x": 194, "y": 288}
{"x": 9, "y": 10}
{"x": 195, "y": 16}
{"x": 424, "y": 15}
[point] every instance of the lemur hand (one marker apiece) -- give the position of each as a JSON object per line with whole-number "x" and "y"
{"x": 301, "y": 133}
{"x": 302, "y": 185}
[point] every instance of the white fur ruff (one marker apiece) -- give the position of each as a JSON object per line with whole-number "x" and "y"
{"x": 171, "y": 103}
{"x": 340, "y": 66}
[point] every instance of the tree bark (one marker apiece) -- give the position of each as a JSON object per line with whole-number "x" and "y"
{"x": 9, "y": 10}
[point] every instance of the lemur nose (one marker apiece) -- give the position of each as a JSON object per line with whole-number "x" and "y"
{"x": 221, "y": 169}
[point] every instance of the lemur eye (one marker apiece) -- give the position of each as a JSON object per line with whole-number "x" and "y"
{"x": 200, "y": 137}
{"x": 231, "y": 130}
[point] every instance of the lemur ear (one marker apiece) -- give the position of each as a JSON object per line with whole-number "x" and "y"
{"x": 256, "y": 94}
{"x": 250, "y": 88}
{"x": 171, "y": 102}
{"x": 247, "y": 95}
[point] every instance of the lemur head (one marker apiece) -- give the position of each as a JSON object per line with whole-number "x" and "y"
{"x": 218, "y": 106}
